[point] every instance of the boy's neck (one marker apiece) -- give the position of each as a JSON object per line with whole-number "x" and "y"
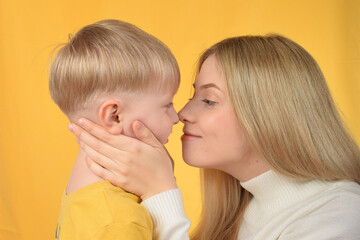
{"x": 81, "y": 176}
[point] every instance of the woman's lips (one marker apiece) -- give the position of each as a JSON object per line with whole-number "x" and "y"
{"x": 189, "y": 137}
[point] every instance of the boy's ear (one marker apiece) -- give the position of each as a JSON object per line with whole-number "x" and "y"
{"x": 111, "y": 116}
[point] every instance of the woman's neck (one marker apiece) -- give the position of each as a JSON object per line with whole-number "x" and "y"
{"x": 244, "y": 171}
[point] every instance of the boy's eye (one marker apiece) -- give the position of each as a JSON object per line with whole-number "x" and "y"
{"x": 208, "y": 102}
{"x": 169, "y": 105}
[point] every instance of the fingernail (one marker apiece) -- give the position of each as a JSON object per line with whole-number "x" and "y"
{"x": 71, "y": 128}
{"x": 78, "y": 139}
{"x": 81, "y": 122}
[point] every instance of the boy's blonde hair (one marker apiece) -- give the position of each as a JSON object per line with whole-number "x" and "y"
{"x": 107, "y": 57}
{"x": 286, "y": 110}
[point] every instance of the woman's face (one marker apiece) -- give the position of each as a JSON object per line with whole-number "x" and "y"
{"x": 213, "y": 137}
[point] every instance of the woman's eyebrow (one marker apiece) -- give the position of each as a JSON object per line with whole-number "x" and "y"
{"x": 208, "y": 85}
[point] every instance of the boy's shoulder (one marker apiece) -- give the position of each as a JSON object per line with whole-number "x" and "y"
{"x": 101, "y": 205}
{"x": 104, "y": 192}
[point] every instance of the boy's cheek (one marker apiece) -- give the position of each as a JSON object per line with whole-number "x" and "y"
{"x": 161, "y": 132}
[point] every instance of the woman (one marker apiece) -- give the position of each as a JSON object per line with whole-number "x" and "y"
{"x": 276, "y": 161}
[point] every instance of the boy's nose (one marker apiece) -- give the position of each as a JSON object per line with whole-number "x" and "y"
{"x": 174, "y": 116}
{"x": 177, "y": 119}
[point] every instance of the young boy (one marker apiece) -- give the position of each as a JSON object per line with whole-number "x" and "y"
{"x": 112, "y": 73}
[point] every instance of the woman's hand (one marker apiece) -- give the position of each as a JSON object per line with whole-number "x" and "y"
{"x": 141, "y": 166}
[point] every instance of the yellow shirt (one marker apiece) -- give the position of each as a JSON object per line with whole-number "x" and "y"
{"x": 102, "y": 211}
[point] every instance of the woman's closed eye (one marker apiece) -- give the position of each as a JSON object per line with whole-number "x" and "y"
{"x": 209, "y": 102}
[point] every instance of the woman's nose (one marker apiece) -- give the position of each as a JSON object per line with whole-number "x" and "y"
{"x": 184, "y": 114}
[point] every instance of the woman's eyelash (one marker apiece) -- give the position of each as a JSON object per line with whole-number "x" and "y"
{"x": 208, "y": 102}
{"x": 170, "y": 105}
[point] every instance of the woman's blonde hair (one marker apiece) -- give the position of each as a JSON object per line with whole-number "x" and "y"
{"x": 106, "y": 57}
{"x": 284, "y": 105}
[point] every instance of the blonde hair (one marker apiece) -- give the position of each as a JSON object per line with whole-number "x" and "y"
{"x": 282, "y": 101}
{"x": 107, "y": 57}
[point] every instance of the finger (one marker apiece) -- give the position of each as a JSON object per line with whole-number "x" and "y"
{"x": 93, "y": 145}
{"x": 145, "y": 135}
{"x": 90, "y": 141}
{"x": 117, "y": 141}
{"x": 172, "y": 160}
{"x": 99, "y": 170}
{"x": 113, "y": 177}
{"x": 103, "y": 160}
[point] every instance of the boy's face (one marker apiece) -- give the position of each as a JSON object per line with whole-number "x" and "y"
{"x": 154, "y": 109}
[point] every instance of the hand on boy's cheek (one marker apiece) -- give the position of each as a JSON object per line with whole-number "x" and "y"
{"x": 171, "y": 159}
{"x": 115, "y": 130}
{"x": 144, "y": 134}
{"x": 173, "y": 164}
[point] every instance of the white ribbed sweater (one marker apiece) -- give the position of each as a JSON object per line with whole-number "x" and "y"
{"x": 281, "y": 208}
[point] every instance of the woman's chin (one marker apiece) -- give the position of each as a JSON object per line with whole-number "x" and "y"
{"x": 193, "y": 162}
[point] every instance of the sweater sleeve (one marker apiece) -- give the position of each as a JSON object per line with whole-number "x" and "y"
{"x": 168, "y": 215}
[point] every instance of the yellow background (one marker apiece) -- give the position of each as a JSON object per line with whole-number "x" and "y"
{"x": 36, "y": 149}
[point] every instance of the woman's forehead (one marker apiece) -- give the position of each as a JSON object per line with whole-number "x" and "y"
{"x": 210, "y": 74}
